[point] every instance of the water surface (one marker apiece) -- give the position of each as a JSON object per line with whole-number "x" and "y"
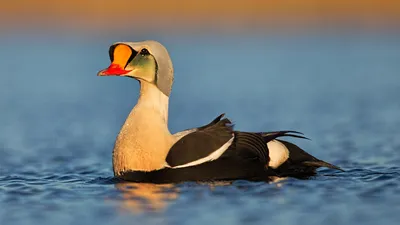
{"x": 59, "y": 121}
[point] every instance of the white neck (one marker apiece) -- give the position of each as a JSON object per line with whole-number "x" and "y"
{"x": 144, "y": 140}
{"x": 151, "y": 98}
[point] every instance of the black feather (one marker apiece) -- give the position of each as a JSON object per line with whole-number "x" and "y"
{"x": 269, "y": 136}
{"x": 200, "y": 144}
{"x": 246, "y": 158}
{"x": 215, "y": 121}
{"x": 300, "y": 163}
{"x": 251, "y": 145}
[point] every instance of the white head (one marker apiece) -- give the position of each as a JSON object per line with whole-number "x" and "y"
{"x": 146, "y": 61}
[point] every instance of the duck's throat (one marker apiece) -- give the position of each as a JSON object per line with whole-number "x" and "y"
{"x": 152, "y": 99}
{"x": 144, "y": 140}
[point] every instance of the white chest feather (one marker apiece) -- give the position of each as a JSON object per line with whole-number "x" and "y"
{"x": 144, "y": 140}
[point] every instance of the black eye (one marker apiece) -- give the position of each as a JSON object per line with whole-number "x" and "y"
{"x": 144, "y": 52}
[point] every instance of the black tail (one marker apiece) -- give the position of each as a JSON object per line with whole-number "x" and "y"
{"x": 300, "y": 163}
{"x": 321, "y": 163}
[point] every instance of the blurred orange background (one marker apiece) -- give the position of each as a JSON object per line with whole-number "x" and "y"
{"x": 120, "y": 15}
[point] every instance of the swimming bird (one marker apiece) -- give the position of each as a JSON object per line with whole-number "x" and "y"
{"x": 146, "y": 151}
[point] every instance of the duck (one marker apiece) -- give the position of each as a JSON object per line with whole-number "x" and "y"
{"x": 145, "y": 151}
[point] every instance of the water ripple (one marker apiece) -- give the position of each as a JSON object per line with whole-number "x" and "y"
{"x": 57, "y": 130}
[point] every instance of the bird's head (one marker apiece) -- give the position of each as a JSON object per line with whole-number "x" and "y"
{"x": 146, "y": 61}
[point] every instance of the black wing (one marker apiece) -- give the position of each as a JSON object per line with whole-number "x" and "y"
{"x": 249, "y": 147}
{"x": 210, "y": 138}
{"x": 201, "y": 143}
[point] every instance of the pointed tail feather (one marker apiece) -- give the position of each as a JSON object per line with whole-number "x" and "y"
{"x": 321, "y": 164}
{"x": 299, "y": 158}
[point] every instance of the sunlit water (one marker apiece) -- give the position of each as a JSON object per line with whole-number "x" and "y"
{"x": 59, "y": 121}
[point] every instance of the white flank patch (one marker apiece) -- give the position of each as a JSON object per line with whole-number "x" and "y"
{"x": 278, "y": 153}
{"x": 213, "y": 156}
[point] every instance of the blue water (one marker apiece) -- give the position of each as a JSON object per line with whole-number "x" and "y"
{"x": 59, "y": 121}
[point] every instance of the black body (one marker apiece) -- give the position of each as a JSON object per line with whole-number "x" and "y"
{"x": 246, "y": 158}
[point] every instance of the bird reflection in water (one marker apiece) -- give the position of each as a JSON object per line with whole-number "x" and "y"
{"x": 144, "y": 197}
